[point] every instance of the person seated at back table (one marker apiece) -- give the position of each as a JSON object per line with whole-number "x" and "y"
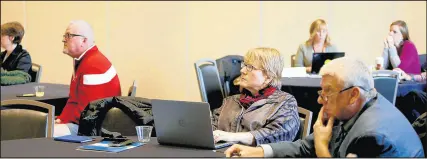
{"x": 15, "y": 61}
{"x": 94, "y": 77}
{"x": 399, "y": 51}
{"x": 262, "y": 113}
{"x": 319, "y": 41}
{"x": 370, "y": 126}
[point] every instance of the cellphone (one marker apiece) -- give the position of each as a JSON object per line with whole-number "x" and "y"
{"x": 26, "y": 95}
{"x": 119, "y": 143}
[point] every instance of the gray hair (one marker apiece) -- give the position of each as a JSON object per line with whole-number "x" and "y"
{"x": 270, "y": 60}
{"x": 352, "y": 72}
{"x": 84, "y": 29}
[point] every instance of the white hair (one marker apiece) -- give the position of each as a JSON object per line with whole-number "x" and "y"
{"x": 84, "y": 29}
{"x": 352, "y": 72}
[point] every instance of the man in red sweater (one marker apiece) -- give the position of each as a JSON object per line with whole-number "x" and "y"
{"x": 94, "y": 77}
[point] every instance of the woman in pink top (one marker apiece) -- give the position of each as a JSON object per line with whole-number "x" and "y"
{"x": 399, "y": 51}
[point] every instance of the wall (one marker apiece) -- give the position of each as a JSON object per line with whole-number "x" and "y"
{"x": 157, "y": 43}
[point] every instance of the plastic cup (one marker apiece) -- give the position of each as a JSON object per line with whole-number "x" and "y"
{"x": 39, "y": 91}
{"x": 144, "y": 133}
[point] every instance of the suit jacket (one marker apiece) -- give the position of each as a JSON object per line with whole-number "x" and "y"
{"x": 19, "y": 59}
{"x": 380, "y": 131}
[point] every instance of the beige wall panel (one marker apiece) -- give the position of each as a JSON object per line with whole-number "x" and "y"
{"x": 14, "y": 11}
{"x": 148, "y": 42}
{"x": 217, "y": 29}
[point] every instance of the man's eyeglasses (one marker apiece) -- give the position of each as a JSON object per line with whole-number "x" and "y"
{"x": 325, "y": 97}
{"x": 249, "y": 67}
{"x": 68, "y": 35}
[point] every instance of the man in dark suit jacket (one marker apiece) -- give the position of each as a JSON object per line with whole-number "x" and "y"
{"x": 369, "y": 125}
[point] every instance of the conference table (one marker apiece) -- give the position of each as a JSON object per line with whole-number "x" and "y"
{"x": 304, "y": 89}
{"x": 48, "y": 148}
{"x": 54, "y": 94}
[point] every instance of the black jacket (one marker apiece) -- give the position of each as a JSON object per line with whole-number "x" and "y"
{"x": 138, "y": 109}
{"x": 19, "y": 59}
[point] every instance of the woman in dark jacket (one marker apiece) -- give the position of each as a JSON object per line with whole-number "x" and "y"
{"x": 14, "y": 57}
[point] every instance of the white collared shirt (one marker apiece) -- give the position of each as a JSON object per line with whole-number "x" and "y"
{"x": 80, "y": 57}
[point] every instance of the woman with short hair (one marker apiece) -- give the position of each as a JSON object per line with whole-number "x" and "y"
{"x": 15, "y": 57}
{"x": 262, "y": 113}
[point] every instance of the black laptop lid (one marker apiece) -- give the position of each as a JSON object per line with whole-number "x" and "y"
{"x": 320, "y": 58}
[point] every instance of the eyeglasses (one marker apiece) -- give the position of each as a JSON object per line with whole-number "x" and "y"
{"x": 250, "y": 68}
{"x": 325, "y": 97}
{"x": 68, "y": 35}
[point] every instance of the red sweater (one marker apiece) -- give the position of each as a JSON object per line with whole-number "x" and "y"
{"x": 95, "y": 78}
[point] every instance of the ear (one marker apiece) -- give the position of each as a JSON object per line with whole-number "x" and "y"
{"x": 11, "y": 38}
{"x": 354, "y": 95}
{"x": 268, "y": 81}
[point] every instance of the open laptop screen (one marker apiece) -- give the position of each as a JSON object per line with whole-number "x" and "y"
{"x": 320, "y": 58}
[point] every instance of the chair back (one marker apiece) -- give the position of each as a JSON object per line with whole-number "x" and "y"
{"x": 305, "y": 123}
{"x": 229, "y": 69}
{"x": 35, "y": 72}
{"x": 117, "y": 121}
{"x": 386, "y": 83}
{"x": 209, "y": 82}
{"x": 423, "y": 63}
{"x": 22, "y": 119}
{"x": 293, "y": 60}
{"x": 132, "y": 89}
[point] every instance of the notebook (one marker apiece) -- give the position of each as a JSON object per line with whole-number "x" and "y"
{"x": 104, "y": 146}
{"x": 73, "y": 138}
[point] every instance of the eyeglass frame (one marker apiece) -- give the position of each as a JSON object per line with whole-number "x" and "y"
{"x": 325, "y": 97}
{"x": 249, "y": 67}
{"x": 69, "y": 35}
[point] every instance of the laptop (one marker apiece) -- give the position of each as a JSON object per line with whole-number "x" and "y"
{"x": 182, "y": 123}
{"x": 320, "y": 58}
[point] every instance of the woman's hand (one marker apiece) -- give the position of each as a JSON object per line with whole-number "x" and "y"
{"x": 404, "y": 76}
{"x": 220, "y": 135}
{"x": 390, "y": 41}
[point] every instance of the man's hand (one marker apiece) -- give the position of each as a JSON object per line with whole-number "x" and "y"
{"x": 58, "y": 121}
{"x": 244, "y": 151}
{"x": 322, "y": 135}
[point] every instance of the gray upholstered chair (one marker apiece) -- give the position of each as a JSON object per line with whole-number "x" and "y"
{"x": 305, "y": 123}
{"x": 132, "y": 89}
{"x": 21, "y": 119}
{"x": 386, "y": 83}
{"x": 117, "y": 121}
{"x": 209, "y": 82}
{"x": 35, "y": 72}
{"x": 293, "y": 60}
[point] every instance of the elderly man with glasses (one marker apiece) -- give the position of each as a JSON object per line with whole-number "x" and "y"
{"x": 369, "y": 125}
{"x": 94, "y": 77}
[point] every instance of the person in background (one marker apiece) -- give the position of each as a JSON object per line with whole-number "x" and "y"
{"x": 319, "y": 41}
{"x": 262, "y": 113}
{"x": 94, "y": 77}
{"x": 369, "y": 125}
{"x": 15, "y": 57}
{"x": 399, "y": 51}
{"x": 414, "y": 103}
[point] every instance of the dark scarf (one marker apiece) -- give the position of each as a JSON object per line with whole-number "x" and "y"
{"x": 247, "y": 99}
